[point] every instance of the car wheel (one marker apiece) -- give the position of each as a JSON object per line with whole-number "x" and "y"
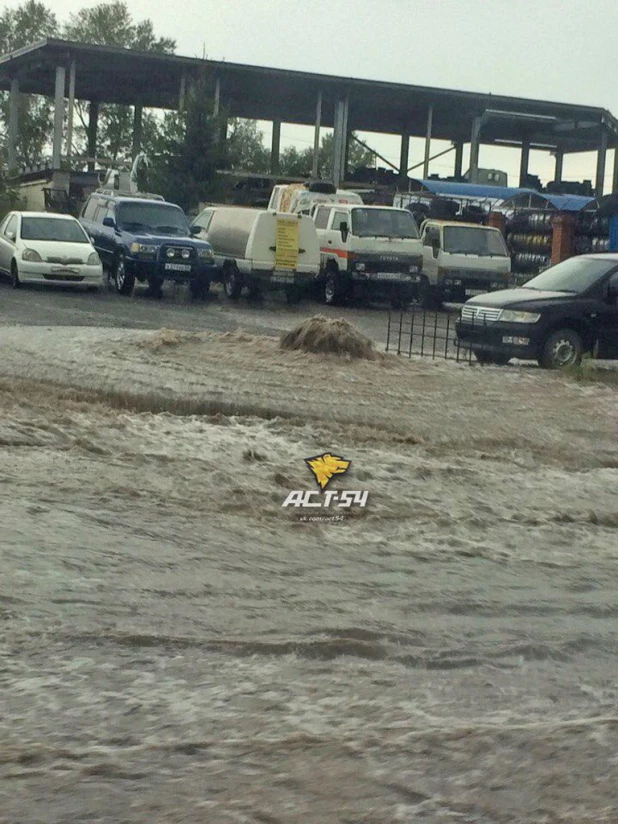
{"x": 428, "y": 296}
{"x": 561, "y": 349}
{"x": 15, "y": 281}
{"x": 293, "y": 294}
{"x": 232, "y": 282}
{"x": 495, "y": 359}
{"x": 333, "y": 292}
{"x": 125, "y": 281}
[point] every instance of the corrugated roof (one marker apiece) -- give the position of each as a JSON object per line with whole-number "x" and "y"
{"x": 476, "y": 190}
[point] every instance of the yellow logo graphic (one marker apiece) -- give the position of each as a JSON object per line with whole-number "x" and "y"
{"x": 325, "y": 466}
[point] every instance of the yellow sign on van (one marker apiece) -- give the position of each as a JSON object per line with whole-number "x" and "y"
{"x": 286, "y": 248}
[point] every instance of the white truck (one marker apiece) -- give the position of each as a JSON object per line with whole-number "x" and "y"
{"x": 257, "y": 250}
{"x": 461, "y": 260}
{"x": 303, "y": 198}
{"x": 368, "y": 251}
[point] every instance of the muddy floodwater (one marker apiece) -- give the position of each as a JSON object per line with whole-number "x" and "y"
{"x": 177, "y": 647}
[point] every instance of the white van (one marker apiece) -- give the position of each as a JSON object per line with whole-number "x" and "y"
{"x": 257, "y": 249}
{"x": 302, "y": 198}
{"x": 368, "y": 250}
{"x": 461, "y": 260}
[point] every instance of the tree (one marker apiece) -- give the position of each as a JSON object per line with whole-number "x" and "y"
{"x": 19, "y": 27}
{"x": 111, "y": 24}
{"x": 244, "y": 148}
{"x": 300, "y": 164}
{"x": 186, "y": 150}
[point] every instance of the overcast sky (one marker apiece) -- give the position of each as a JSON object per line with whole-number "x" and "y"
{"x": 550, "y": 49}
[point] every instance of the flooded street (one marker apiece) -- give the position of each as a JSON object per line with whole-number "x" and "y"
{"x": 178, "y": 647}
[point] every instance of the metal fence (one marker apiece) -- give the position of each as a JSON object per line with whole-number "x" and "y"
{"x": 429, "y": 334}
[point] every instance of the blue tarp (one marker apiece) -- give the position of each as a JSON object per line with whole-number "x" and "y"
{"x": 567, "y": 203}
{"x": 476, "y": 190}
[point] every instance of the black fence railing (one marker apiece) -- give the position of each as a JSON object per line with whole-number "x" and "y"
{"x": 433, "y": 335}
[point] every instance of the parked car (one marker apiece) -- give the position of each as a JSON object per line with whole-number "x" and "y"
{"x": 368, "y": 251}
{"x": 259, "y": 250}
{"x": 46, "y": 247}
{"x": 146, "y": 239}
{"x": 569, "y": 309}
{"x": 461, "y": 260}
{"x": 301, "y": 197}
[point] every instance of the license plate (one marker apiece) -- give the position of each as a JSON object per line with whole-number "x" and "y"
{"x": 282, "y": 277}
{"x": 177, "y": 267}
{"x": 391, "y": 276}
{"x": 59, "y": 270}
{"x": 472, "y": 292}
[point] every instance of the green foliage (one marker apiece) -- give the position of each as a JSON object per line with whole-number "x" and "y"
{"x": 19, "y": 27}
{"x": 245, "y": 149}
{"x": 9, "y": 196}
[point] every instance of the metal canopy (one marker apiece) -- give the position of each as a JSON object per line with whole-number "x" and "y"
{"x": 114, "y": 75}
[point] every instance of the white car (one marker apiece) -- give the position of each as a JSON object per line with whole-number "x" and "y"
{"x": 46, "y": 247}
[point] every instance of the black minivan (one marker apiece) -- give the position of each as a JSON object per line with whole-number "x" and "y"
{"x": 568, "y": 309}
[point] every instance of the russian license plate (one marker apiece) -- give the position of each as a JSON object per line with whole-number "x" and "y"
{"x": 59, "y": 270}
{"x": 177, "y": 267}
{"x": 391, "y": 276}
{"x": 472, "y": 292}
{"x": 282, "y": 277}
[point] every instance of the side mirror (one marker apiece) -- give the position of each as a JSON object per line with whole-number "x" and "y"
{"x": 343, "y": 228}
{"x": 11, "y": 235}
{"x": 92, "y": 240}
{"x": 109, "y": 222}
{"x": 195, "y": 230}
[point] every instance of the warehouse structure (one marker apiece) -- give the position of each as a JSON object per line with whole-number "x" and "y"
{"x": 67, "y": 71}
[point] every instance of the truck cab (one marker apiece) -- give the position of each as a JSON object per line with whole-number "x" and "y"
{"x": 367, "y": 251}
{"x": 461, "y": 260}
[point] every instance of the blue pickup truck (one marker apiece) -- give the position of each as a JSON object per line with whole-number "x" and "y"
{"x": 147, "y": 239}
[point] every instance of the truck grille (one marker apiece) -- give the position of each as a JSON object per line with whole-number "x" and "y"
{"x": 65, "y": 261}
{"x": 390, "y": 263}
{"x": 480, "y": 314}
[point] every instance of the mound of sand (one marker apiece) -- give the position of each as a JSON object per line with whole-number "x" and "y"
{"x": 333, "y": 336}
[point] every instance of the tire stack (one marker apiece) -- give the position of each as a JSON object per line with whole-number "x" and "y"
{"x": 591, "y": 233}
{"x": 529, "y": 239}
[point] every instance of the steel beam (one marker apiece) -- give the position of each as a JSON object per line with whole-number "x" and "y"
{"x": 58, "y": 116}
{"x": 275, "y": 148}
{"x": 601, "y": 157}
{"x": 428, "y": 142}
{"x": 93, "y": 127}
{"x": 474, "y": 149}
{"x": 137, "y": 130}
{"x": 459, "y": 146}
{"x": 72, "y": 73}
{"x": 13, "y": 135}
{"x": 315, "y": 170}
{"x": 524, "y": 161}
{"x": 559, "y": 165}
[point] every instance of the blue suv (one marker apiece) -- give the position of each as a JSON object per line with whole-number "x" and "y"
{"x": 147, "y": 239}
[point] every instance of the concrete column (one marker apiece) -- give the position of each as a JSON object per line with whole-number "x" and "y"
{"x": 601, "y": 156}
{"x": 615, "y": 177}
{"x": 275, "y": 147}
{"x": 559, "y": 164}
{"x": 475, "y": 142}
{"x": 428, "y": 143}
{"x": 459, "y": 146}
{"x": 523, "y": 161}
{"x": 315, "y": 170}
{"x": 340, "y": 140}
{"x": 72, "y": 73}
{"x": 182, "y": 95}
{"x": 13, "y": 125}
{"x": 563, "y": 237}
{"x": 404, "y": 156}
{"x": 58, "y": 116}
{"x": 137, "y": 130}
{"x": 217, "y": 105}
{"x": 93, "y": 125}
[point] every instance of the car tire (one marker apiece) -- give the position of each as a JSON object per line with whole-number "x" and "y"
{"x": 489, "y": 358}
{"x": 232, "y": 282}
{"x": 125, "y": 281}
{"x": 428, "y": 296}
{"x": 561, "y": 349}
{"x": 15, "y": 281}
{"x": 332, "y": 291}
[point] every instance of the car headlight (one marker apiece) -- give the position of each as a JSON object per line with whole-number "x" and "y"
{"x": 413, "y": 269}
{"x": 360, "y": 267}
{"x": 93, "y": 260}
{"x": 205, "y": 254}
{"x": 512, "y": 316}
{"x": 185, "y": 254}
{"x": 170, "y": 253}
{"x": 31, "y": 255}
{"x": 143, "y": 249}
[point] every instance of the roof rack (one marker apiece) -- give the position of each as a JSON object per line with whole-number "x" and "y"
{"x": 119, "y": 193}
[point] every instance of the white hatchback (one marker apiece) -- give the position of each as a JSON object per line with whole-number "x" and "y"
{"x": 47, "y": 247}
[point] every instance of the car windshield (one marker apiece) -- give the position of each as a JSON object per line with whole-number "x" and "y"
{"x": 576, "y": 275}
{"x": 467, "y": 240}
{"x": 64, "y": 230}
{"x": 383, "y": 223}
{"x": 153, "y": 217}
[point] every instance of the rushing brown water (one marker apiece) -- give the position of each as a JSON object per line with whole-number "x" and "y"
{"x": 177, "y": 647}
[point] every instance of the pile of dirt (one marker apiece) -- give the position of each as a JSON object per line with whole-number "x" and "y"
{"x": 331, "y": 336}
{"x": 168, "y": 339}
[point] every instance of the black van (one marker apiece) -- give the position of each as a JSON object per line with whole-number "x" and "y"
{"x": 569, "y": 309}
